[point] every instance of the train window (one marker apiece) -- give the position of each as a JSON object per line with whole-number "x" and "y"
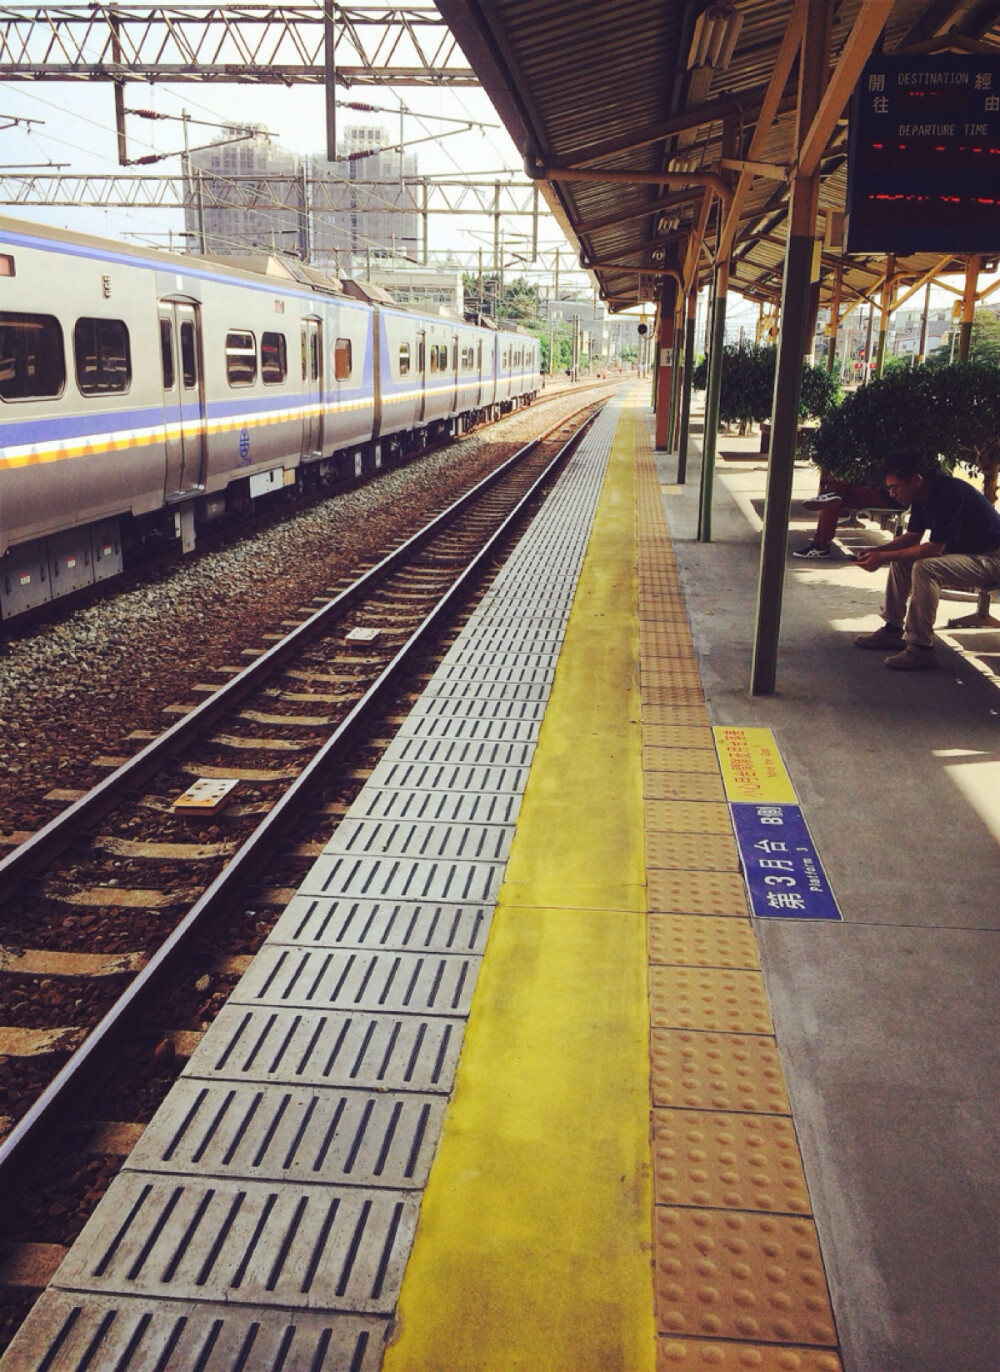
{"x": 434, "y": 357}
{"x": 467, "y": 360}
{"x": 273, "y": 358}
{"x": 189, "y": 355}
{"x": 167, "y": 354}
{"x": 31, "y": 356}
{"x": 342, "y": 359}
{"x": 6, "y": 264}
{"x": 241, "y": 358}
{"x": 404, "y": 359}
{"x": 454, "y": 357}
{"x": 103, "y": 362}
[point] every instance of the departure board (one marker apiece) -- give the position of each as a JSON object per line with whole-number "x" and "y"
{"x": 923, "y": 171}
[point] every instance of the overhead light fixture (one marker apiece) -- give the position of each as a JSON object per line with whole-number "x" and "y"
{"x": 714, "y": 39}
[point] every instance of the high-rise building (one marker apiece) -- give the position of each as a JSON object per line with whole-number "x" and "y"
{"x": 362, "y": 202}
{"x": 358, "y": 208}
{"x": 267, "y": 216}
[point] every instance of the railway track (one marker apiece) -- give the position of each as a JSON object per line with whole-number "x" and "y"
{"x": 103, "y": 906}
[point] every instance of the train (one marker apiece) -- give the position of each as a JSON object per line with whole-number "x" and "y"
{"x": 146, "y": 396}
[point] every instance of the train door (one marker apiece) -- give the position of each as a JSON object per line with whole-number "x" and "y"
{"x": 183, "y": 397}
{"x": 312, "y": 388}
{"x": 422, "y": 373}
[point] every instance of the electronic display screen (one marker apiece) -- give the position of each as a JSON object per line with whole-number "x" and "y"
{"x": 923, "y": 171}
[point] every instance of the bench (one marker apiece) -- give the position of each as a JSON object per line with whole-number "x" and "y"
{"x": 981, "y": 617}
{"x": 889, "y": 518}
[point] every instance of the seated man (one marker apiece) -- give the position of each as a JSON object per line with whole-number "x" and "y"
{"x": 834, "y": 497}
{"x": 962, "y": 550}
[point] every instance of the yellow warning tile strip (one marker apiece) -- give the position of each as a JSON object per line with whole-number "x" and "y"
{"x": 738, "y": 1275}
{"x": 533, "y": 1246}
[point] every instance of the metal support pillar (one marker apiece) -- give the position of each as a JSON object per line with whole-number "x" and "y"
{"x": 972, "y": 264}
{"x": 838, "y": 286}
{"x": 330, "y": 81}
{"x": 664, "y": 365}
{"x": 712, "y": 397}
{"x": 305, "y": 238}
{"x": 792, "y": 342}
{"x": 685, "y": 427}
{"x": 675, "y": 390}
{"x": 885, "y": 311}
{"x": 922, "y": 346}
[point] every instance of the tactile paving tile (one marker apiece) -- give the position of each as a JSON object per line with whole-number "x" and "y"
{"x": 284, "y": 1132}
{"x": 740, "y": 1276}
{"x": 420, "y": 927}
{"x": 709, "y": 1355}
{"x": 678, "y": 736}
{"x": 708, "y": 998}
{"x": 130, "y": 1334}
{"x": 696, "y": 893}
{"x": 674, "y": 695}
{"x": 679, "y": 760}
{"x": 701, "y": 941}
{"x": 688, "y": 817}
{"x": 189, "y": 1238}
{"x": 737, "y": 1162}
{"x": 705, "y": 1071}
{"x": 692, "y": 852}
{"x": 663, "y": 714}
{"x": 683, "y": 786}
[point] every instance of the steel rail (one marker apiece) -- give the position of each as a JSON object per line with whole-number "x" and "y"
{"x": 44, "y": 1114}
{"x": 54, "y": 837}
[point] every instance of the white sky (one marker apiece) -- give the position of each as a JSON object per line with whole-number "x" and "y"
{"x": 79, "y": 131}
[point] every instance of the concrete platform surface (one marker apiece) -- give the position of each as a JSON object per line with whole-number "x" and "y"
{"x": 887, "y": 1021}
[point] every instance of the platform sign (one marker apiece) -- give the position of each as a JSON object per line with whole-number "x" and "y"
{"x": 783, "y": 870}
{"x": 752, "y": 768}
{"x": 923, "y": 170}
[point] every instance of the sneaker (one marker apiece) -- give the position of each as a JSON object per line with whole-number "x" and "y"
{"x": 824, "y": 501}
{"x": 912, "y": 659}
{"x": 812, "y": 549}
{"x": 889, "y": 636}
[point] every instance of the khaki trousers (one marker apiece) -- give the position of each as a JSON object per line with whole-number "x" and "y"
{"x": 920, "y": 583}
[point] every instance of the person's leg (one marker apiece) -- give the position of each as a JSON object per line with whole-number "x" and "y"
{"x": 897, "y": 592}
{"x": 898, "y": 588}
{"x": 966, "y": 572}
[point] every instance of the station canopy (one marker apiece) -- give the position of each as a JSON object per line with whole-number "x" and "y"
{"x": 647, "y": 120}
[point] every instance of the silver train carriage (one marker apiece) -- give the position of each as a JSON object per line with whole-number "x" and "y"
{"x": 144, "y": 394}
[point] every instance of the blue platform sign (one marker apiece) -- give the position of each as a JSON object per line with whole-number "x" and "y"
{"x": 783, "y": 870}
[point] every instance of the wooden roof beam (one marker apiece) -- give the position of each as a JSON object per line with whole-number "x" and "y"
{"x": 853, "y": 55}
{"x": 787, "y": 53}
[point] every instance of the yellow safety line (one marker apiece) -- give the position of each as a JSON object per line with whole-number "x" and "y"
{"x": 533, "y": 1246}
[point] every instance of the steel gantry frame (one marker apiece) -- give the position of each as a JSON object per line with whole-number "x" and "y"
{"x": 329, "y": 45}
{"x": 404, "y": 45}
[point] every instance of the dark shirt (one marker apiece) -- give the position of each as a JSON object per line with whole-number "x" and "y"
{"x": 957, "y": 515}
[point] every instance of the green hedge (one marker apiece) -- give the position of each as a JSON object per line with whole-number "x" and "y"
{"x": 951, "y": 412}
{"x": 747, "y": 389}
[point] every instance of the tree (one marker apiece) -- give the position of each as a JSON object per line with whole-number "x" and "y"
{"x": 747, "y": 390}
{"x": 951, "y": 412}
